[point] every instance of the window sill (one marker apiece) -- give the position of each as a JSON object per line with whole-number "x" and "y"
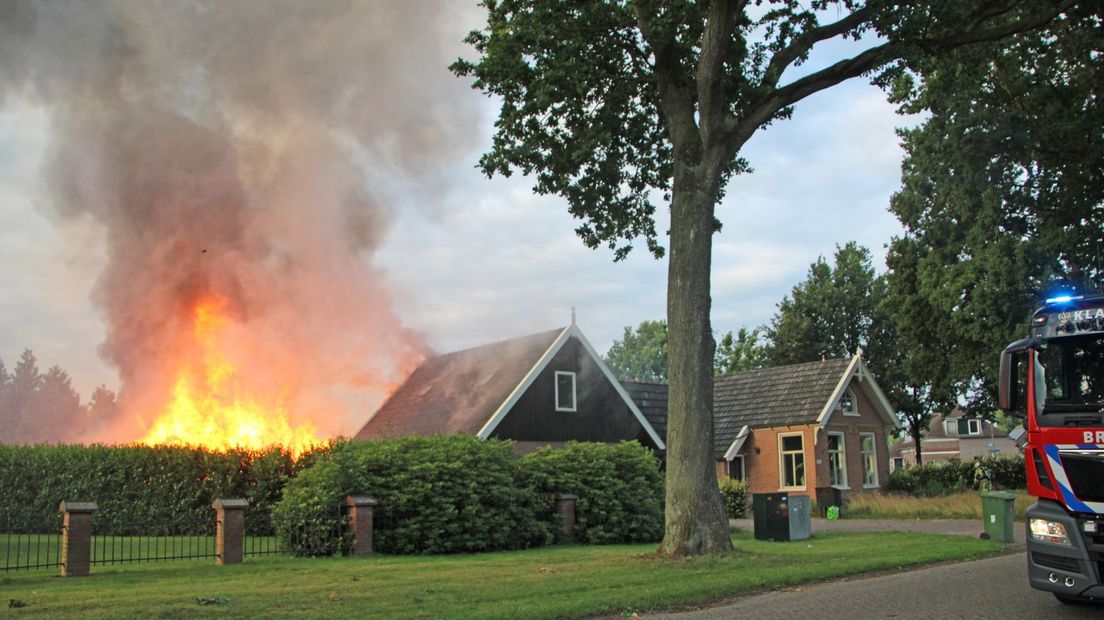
{"x": 836, "y": 486}
{"x": 851, "y": 415}
{"x": 872, "y": 486}
{"x": 565, "y": 410}
{"x": 793, "y": 489}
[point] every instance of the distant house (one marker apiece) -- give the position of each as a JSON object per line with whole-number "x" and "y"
{"x": 955, "y": 436}
{"x": 542, "y": 389}
{"x": 794, "y": 428}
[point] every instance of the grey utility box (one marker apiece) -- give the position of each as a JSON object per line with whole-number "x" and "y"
{"x": 781, "y": 516}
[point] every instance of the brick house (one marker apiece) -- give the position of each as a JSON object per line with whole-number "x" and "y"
{"x": 537, "y": 390}
{"x": 794, "y": 428}
{"x": 954, "y": 436}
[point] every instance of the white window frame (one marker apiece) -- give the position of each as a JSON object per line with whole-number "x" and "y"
{"x": 743, "y": 470}
{"x": 574, "y": 395}
{"x": 950, "y": 427}
{"x": 850, "y": 394}
{"x": 873, "y": 459}
{"x": 842, "y": 452}
{"x": 974, "y": 427}
{"x": 782, "y": 463}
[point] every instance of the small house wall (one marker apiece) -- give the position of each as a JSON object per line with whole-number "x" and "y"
{"x": 600, "y": 412}
{"x": 868, "y": 420}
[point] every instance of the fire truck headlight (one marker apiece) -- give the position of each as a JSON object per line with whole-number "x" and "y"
{"x": 1049, "y": 531}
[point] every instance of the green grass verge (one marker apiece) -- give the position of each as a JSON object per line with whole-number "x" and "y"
{"x": 539, "y": 583}
{"x": 965, "y": 505}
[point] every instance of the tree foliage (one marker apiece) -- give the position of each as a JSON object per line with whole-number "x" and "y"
{"x": 641, "y": 354}
{"x": 1001, "y": 199}
{"x": 742, "y": 351}
{"x": 836, "y": 311}
{"x": 38, "y": 407}
{"x": 610, "y": 104}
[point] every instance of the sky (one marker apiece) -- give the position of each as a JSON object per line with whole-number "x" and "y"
{"x": 470, "y": 260}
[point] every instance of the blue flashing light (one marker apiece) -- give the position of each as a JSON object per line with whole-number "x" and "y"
{"x": 1063, "y": 299}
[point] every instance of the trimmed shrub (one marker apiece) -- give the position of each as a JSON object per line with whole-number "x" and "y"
{"x": 620, "y": 489}
{"x": 436, "y": 495}
{"x": 140, "y": 489}
{"x": 734, "y": 493}
{"x": 954, "y": 475}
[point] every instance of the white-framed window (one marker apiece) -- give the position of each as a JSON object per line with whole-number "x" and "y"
{"x": 869, "y": 448}
{"x": 736, "y": 467}
{"x": 974, "y": 427}
{"x": 849, "y": 405}
{"x": 791, "y": 456}
{"x": 565, "y": 391}
{"x": 837, "y": 460}
{"x": 950, "y": 428}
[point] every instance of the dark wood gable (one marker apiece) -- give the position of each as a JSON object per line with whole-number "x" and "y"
{"x": 600, "y": 412}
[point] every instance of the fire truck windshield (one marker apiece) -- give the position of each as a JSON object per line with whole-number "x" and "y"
{"x": 1074, "y": 373}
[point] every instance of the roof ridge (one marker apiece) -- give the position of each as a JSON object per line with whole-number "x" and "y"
{"x": 498, "y": 343}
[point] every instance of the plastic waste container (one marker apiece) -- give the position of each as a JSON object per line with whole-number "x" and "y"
{"x": 997, "y": 508}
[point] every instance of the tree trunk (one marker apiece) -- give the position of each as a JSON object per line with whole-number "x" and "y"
{"x": 695, "y": 517}
{"x": 916, "y": 430}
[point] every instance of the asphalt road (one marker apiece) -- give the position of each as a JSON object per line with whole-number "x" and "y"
{"x": 990, "y": 588}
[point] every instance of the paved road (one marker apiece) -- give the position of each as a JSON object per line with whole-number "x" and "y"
{"x": 990, "y": 588}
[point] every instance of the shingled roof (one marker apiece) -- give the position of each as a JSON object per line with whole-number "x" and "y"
{"x": 458, "y": 392}
{"x": 780, "y": 396}
{"x": 651, "y": 399}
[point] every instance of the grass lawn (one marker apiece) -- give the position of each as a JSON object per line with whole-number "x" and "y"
{"x": 540, "y": 583}
{"x": 966, "y": 505}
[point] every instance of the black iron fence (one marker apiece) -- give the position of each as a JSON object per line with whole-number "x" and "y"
{"x": 174, "y": 541}
{"x": 31, "y": 548}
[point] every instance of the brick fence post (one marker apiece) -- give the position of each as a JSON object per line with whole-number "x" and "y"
{"x": 229, "y": 530}
{"x": 359, "y": 511}
{"x": 76, "y": 538}
{"x": 565, "y": 507}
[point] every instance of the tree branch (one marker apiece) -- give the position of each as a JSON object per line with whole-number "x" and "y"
{"x": 805, "y": 42}
{"x": 880, "y": 55}
{"x": 712, "y": 105}
{"x": 675, "y": 98}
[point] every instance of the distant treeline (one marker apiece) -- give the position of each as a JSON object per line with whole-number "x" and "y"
{"x": 40, "y": 407}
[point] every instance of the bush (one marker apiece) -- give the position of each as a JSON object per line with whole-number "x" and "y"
{"x": 436, "y": 495}
{"x": 954, "y": 475}
{"x": 734, "y": 493}
{"x": 620, "y": 489}
{"x": 140, "y": 489}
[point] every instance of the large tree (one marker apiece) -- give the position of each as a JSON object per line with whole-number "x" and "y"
{"x": 836, "y": 311}
{"x": 641, "y": 354}
{"x": 610, "y": 104}
{"x": 1001, "y": 198}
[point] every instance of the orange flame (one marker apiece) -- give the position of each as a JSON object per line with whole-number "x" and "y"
{"x": 209, "y": 408}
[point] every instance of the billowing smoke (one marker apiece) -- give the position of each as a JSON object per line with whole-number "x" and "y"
{"x": 246, "y": 151}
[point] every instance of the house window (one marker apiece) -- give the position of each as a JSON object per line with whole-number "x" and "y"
{"x": 792, "y": 455}
{"x": 848, "y": 404}
{"x": 837, "y": 461}
{"x": 898, "y": 462}
{"x": 975, "y": 427}
{"x": 565, "y": 391}
{"x": 869, "y": 460}
{"x": 736, "y": 468}
{"x": 950, "y": 427}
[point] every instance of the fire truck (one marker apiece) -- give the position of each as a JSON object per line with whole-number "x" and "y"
{"x": 1055, "y": 379}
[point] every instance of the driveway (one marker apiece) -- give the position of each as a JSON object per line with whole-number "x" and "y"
{"x": 993, "y": 587}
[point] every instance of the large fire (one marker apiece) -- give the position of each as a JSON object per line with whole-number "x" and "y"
{"x": 211, "y": 408}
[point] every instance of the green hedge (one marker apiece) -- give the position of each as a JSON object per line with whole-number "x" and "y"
{"x": 954, "y": 475}
{"x": 140, "y": 489}
{"x": 435, "y": 494}
{"x": 461, "y": 494}
{"x": 620, "y": 489}
{"x": 734, "y": 493}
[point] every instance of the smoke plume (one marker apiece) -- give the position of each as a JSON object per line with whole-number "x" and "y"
{"x": 240, "y": 150}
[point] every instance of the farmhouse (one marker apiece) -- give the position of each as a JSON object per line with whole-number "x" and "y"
{"x": 541, "y": 389}
{"x": 794, "y": 428}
